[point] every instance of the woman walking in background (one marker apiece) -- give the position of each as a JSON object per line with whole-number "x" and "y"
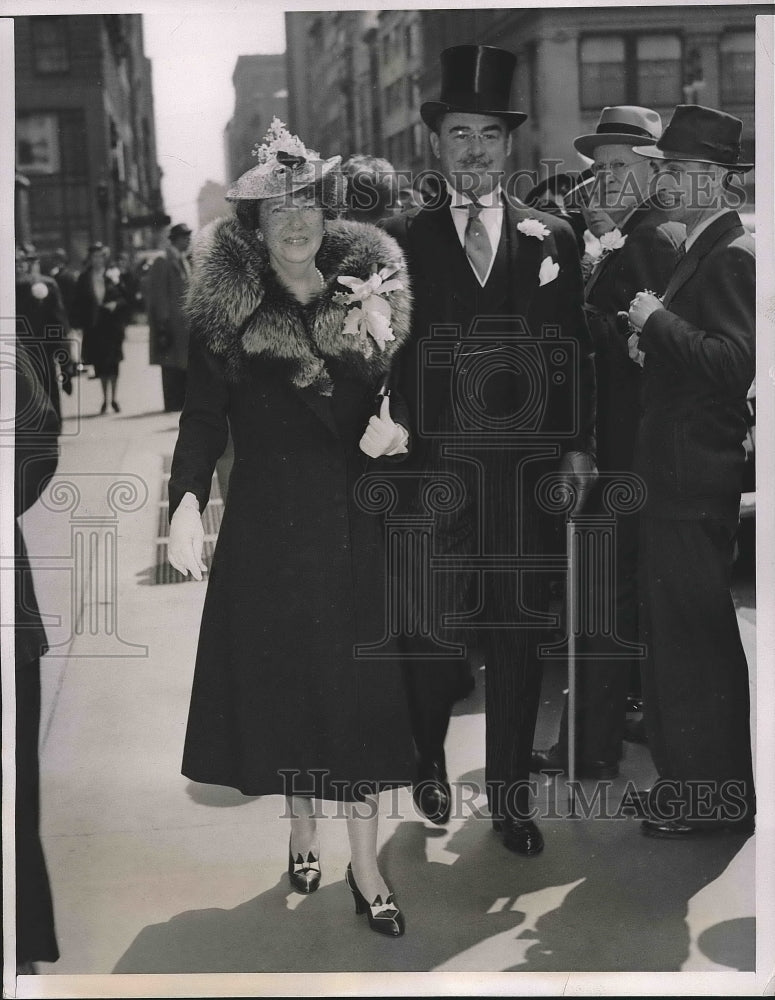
{"x": 291, "y": 359}
{"x": 103, "y": 305}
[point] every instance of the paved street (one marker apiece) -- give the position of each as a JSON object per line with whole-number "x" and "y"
{"x": 155, "y": 875}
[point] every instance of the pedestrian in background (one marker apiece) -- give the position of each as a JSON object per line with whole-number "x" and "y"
{"x": 42, "y": 326}
{"x": 66, "y": 278}
{"x": 102, "y": 308}
{"x": 165, "y": 292}
{"x": 372, "y": 191}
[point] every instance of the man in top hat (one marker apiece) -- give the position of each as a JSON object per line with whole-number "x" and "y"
{"x": 165, "y": 291}
{"x": 493, "y": 282}
{"x": 641, "y": 252}
{"x": 698, "y": 351}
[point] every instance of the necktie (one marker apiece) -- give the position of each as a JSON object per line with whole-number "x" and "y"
{"x": 680, "y": 253}
{"x": 477, "y": 242}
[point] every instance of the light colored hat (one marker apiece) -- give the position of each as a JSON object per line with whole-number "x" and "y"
{"x": 284, "y": 165}
{"x": 621, "y": 125}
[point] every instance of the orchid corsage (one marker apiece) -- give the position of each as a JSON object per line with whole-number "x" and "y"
{"x": 369, "y": 313}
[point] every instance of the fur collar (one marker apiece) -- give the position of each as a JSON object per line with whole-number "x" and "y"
{"x": 242, "y": 312}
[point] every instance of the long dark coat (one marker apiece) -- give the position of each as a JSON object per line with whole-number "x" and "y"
{"x": 168, "y": 326}
{"x": 36, "y": 455}
{"x": 297, "y": 579}
{"x": 700, "y": 359}
{"x": 103, "y": 329}
{"x": 43, "y": 329}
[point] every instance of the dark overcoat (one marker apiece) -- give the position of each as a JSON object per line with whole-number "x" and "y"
{"x": 165, "y": 294}
{"x": 280, "y": 701}
{"x": 645, "y": 261}
{"x": 103, "y": 329}
{"x": 43, "y": 329}
{"x": 700, "y": 362}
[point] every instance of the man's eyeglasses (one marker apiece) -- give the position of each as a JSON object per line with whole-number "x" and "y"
{"x": 466, "y": 136}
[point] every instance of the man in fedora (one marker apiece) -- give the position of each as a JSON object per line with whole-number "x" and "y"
{"x": 697, "y": 346}
{"x": 165, "y": 291}
{"x": 493, "y": 283}
{"x": 641, "y": 252}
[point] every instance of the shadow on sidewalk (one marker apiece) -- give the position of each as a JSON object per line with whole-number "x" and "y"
{"x": 600, "y": 898}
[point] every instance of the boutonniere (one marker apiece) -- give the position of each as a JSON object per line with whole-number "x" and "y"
{"x": 533, "y": 227}
{"x": 39, "y": 290}
{"x": 548, "y": 271}
{"x": 612, "y": 241}
{"x": 114, "y": 274}
{"x": 369, "y": 312}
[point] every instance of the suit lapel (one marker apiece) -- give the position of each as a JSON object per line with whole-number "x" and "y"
{"x": 690, "y": 263}
{"x": 634, "y": 220}
{"x": 525, "y": 253}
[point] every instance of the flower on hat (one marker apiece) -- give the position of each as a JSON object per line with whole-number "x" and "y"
{"x": 533, "y": 227}
{"x": 369, "y": 314}
{"x": 39, "y": 290}
{"x": 279, "y": 140}
{"x": 548, "y": 271}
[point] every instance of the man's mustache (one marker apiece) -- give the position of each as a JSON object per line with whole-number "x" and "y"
{"x": 475, "y": 162}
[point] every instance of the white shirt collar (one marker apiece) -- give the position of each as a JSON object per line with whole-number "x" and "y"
{"x": 704, "y": 225}
{"x": 491, "y": 200}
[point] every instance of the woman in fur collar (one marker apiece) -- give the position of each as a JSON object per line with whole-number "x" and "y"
{"x": 291, "y": 359}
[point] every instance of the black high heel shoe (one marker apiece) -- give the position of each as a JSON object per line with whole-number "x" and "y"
{"x": 304, "y": 875}
{"x": 384, "y": 918}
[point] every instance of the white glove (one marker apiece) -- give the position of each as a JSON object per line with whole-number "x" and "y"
{"x": 187, "y": 536}
{"x": 382, "y": 436}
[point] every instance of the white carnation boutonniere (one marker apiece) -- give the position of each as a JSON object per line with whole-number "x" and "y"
{"x": 548, "y": 271}
{"x": 39, "y": 290}
{"x": 614, "y": 240}
{"x": 114, "y": 274}
{"x": 533, "y": 227}
{"x": 369, "y": 313}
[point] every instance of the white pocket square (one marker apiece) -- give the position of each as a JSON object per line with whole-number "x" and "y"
{"x": 548, "y": 271}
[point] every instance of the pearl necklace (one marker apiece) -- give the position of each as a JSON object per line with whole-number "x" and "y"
{"x": 321, "y": 279}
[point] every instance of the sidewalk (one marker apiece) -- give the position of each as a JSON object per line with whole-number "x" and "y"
{"x": 153, "y": 874}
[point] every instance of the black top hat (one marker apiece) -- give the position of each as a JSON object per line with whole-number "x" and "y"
{"x": 475, "y": 79}
{"x": 180, "y": 229}
{"x": 702, "y": 134}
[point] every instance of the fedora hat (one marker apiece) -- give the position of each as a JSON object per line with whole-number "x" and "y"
{"x": 621, "y": 125}
{"x": 702, "y": 134}
{"x": 475, "y": 79}
{"x": 285, "y": 165}
{"x": 180, "y": 229}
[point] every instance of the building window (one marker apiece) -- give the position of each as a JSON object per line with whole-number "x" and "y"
{"x": 630, "y": 69}
{"x": 737, "y": 68}
{"x": 659, "y": 70}
{"x": 50, "y": 49}
{"x": 37, "y": 144}
{"x": 603, "y": 72}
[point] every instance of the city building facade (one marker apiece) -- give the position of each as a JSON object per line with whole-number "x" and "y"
{"x": 211, "y": 202}
{"x": 364, "y": 96}
{"x": 85, "y": 134}
{"x": 260, "y": 94}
